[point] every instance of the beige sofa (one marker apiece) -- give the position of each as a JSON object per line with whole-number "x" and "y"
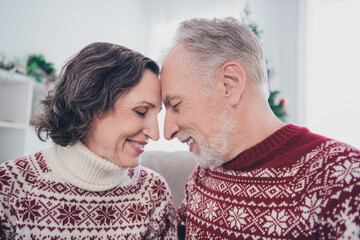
{"x": 175, "y": 167}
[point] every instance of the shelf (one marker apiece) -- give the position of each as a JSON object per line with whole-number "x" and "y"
{"x": 13, "y": 125}
{"x": 11, "y": 77}
{"x": 16, "y": 95}
{"x": 19, "y": 99}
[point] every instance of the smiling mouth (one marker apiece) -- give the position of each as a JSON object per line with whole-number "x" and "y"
{"x": 138, "y": 147}
{"x": 190, "y": 142}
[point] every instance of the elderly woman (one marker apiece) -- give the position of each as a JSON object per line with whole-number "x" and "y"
{"x": 89, "y": 185}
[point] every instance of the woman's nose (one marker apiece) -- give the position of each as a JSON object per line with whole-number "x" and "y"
{"x": 152, "y": 130}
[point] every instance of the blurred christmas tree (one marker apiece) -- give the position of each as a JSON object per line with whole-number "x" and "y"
{"x": 277, "y": 106}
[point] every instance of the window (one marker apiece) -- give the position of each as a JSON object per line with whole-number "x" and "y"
{"x": 333, "y": 81}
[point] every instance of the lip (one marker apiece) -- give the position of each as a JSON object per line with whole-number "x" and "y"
{"x": 191, "y": 146}
{"x": 184, "y": 141}
{"x": 140, "y": 142}
{"x": 136, "y": 148}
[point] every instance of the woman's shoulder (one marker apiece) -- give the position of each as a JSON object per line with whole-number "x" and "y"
{"x": 22, "y": 164}
{"x": 22, "y": 171}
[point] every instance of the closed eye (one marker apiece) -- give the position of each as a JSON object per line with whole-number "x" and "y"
{"x": 141, "y": 111}
{"x": 175, "y": 107}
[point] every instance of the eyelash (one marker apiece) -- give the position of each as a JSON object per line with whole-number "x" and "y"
{"x": 175, "y": 107}
{"x": 140, "y": 113}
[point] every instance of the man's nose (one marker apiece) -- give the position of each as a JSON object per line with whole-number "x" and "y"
{"x": 170, "y": 126}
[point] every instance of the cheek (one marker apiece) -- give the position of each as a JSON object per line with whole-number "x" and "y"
{"x": 203, "y": 121}
{"x": 107, "y": 131}
{"x": 129, "y": 128}
{"x": 105, "y": 135}
{"x": 199, "y": 117}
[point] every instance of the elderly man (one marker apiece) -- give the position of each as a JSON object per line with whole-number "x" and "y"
{"x": 257, "y": 178}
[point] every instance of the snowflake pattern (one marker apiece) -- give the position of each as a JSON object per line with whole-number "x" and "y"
{"x": 195, "y": 201}
{"x": 137, "y": 212}
{"x": 106, "y": 215}
{"x": 237, "y": 217}
{"x": 276, "y": 222}
{"x": 69, "y": 214}
{"x": 311, "y": 209}
{"x": 158, "y": 188}
{"x": 210, "y": 210}
{"x": 347, "y": 171}
{"x": 30, "y": 210}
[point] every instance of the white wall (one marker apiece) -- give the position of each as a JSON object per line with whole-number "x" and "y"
{"x": 333, "y": 107}
{"x": 59, "y": 29}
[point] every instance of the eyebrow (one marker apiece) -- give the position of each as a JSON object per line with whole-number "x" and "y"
{"x": 150, "y": 104}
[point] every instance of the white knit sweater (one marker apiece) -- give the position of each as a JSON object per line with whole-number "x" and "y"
{"x": 71, "y": 193}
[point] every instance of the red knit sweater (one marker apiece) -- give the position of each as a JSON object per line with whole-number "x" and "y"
{"x": 292, "y": 185}
{"x": 37, "y": 201}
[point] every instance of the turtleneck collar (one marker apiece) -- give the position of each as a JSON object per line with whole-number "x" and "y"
{"x": 268, "y": 149}
{"x": 79, "y": 166}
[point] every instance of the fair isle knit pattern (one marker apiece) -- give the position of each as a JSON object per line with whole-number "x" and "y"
{"x": 293, "y": 185}
{"x": 42, "y": 202}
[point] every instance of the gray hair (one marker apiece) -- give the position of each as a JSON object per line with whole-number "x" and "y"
{"x": 213, "y": 42}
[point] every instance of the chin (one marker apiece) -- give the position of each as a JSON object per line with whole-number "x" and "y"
{"x": 129, "y": 162}
{"x": 133, "y": 162}
{"x": 133, "y": 165}
{"x": 210, "y": 159}
{"x": 202, "y": 161}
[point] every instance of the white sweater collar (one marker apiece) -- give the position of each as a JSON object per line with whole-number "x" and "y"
{"x": 81, "y": 167}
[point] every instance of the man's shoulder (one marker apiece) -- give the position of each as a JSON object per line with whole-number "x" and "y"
{"x": 330, "y": 168}
{"x": 342, "y": 160}
{"x": 308, "y": 146}
{"x": 326, "y": 156}
{"x": 334, "y": 151}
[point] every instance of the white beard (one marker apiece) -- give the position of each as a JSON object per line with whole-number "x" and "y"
{"x": 213, "y": 150}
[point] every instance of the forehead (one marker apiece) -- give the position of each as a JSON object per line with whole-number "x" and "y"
{"x": 176, "y": 77}
{"x": 148, "y": 89}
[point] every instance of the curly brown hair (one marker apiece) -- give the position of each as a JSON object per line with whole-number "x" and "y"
{"x": 90, "y": 83}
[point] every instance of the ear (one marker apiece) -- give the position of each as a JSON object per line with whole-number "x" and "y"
{"x": 232, "y": 78}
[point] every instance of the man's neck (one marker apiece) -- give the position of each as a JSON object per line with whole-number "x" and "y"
{"x": 254, "y": 125}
